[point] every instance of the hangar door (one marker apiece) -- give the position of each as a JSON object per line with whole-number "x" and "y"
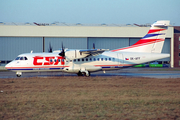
{"x": 108, "y": 43}
{"x": 11, "y": 47}
{"x": 70, "y": 43}
{"x": 166, "y": 48}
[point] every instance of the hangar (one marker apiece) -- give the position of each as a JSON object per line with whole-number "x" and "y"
{"x": 23, "y": 38}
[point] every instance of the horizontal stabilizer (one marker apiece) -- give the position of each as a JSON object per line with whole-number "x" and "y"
{"x": 161, "y": 24}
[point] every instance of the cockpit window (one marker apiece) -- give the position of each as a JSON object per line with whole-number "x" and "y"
{"x": 17, "y": 58}
{"x": 21, "y": 58}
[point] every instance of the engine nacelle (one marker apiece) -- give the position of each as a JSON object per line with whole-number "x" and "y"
{"x": 74, "y": 54}
{"x": 91, "y": 68}
{"x": 71, "y": 69}
{"x": 76, "y": 69}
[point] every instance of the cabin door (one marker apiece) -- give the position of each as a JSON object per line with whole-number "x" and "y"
{"x": 121, "y": 59}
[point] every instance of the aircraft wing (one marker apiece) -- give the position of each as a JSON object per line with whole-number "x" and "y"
{"x": 92, "y": 52}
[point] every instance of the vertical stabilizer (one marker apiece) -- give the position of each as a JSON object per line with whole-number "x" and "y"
{"x": 152, "y": 42}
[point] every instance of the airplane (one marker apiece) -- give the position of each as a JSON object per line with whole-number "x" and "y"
{"x": 141, "y": 25}
{"x": 41, "y": 24}
{"x": 83, "y": 62}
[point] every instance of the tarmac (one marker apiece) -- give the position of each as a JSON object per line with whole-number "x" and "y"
{"x": 126, "y": 72}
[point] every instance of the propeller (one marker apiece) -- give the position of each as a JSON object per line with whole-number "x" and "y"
{"x": 50, "y": 48}
{"x": 93, "y": 45}
{"x": 62, "y": 53}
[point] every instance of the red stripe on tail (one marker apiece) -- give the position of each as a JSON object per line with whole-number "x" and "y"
{"x": 155, "y": 30}
{"x": 141, "y": 42}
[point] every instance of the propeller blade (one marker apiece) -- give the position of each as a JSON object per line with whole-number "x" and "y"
{"x": 62, "y": 53}
{"x": 50, "y": 48}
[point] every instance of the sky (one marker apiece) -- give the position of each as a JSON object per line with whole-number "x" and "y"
{"x": 90, "y": 11}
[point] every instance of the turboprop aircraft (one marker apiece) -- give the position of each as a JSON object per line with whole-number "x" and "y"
{"x": 83, "y": 62}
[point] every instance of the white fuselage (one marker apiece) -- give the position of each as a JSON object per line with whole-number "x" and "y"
{"x": 105, "y": 61}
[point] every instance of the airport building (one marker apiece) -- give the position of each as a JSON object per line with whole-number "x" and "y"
{"x": 16, "y": 38}
{"x": 176, "y": 46}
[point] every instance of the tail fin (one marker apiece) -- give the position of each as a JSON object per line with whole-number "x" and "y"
{"x": 152, "y": 42}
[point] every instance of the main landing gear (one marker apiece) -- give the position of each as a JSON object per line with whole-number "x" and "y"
{"x": 84, "y": 73}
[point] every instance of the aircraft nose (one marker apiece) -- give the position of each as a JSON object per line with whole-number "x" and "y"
{"x": 8, "y": 66}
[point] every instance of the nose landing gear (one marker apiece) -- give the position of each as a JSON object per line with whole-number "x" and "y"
{"x": 18, "y": 74}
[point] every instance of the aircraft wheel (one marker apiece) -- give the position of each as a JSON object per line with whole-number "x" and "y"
{"x": 83, "y": 74}
{"x": 79, "y": 74}
{"x": 18, "y": 75}
{"x": 87, "y": 74}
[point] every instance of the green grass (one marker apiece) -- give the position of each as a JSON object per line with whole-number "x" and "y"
{"x": 89, "y": 98}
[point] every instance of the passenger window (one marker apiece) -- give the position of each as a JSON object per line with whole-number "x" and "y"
{"x": 97, "y": 59}
{"x": 17, "y": 58}
{"x": 55, "y": 60}
{"x": 25, "y": 58}
{"x": 94, "y": 59}
{"x": 86, "y": 59}
{"x": 90, "y": 59}
{"x": 78, "y": 59}
{"x": 113, "y": 59}
{"x": 109, "y": 59}
{"x": 82, "y": 59}
{"x": 105, "y": 59}
{"x": 74, "y": 60}
{"x": 59, "y": 60}
{"x": 101, "y": 59}
{"x": 51, "y": 60}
